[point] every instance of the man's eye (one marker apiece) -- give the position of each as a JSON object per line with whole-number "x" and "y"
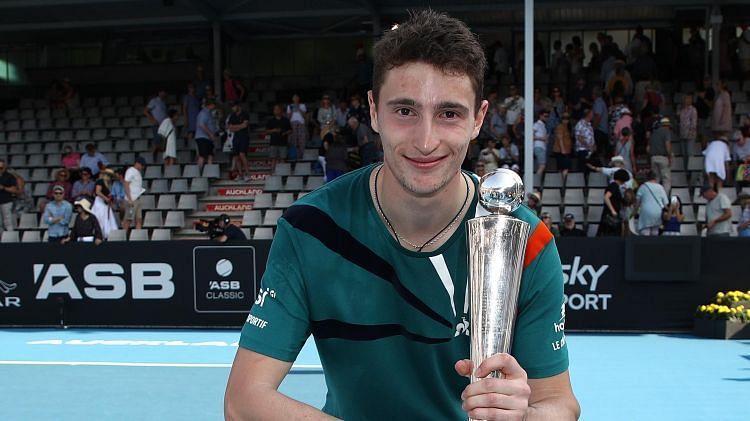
{"x": 404, "y": 111}
{"x": 450, "y": 114}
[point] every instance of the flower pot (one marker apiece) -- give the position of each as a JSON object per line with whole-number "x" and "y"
{"x": 721, "y": 329}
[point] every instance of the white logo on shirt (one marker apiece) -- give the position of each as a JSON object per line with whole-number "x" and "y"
{"x": 263, "y": 294}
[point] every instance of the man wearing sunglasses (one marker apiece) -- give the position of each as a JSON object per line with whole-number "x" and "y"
{"x": 8, "y": 189}
{"x": 57, "y": 215}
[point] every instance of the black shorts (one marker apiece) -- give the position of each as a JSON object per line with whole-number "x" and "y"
{"x": 205, "y": 147}
{"x": 240, "y": 145}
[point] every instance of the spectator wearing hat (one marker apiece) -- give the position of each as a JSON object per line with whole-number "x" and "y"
{"x": 673, "y": 217}
{"x": 562, "y": 148}
{"x": 688, "y": 124}
{"x": 569, "y": 228}
{"x": 718, "y": 212}
{"x": 716, "y": 158}
{"x": 93, "y": 160}
{"x": 133, "y": 183}
{"x": 616, "y": 163}
{"x": 62, "y": 179}
{"x": 650, "y": 200}
{"x": 721, "y": 115}
{"x": 534, "y": 202}
{"x": 547, "y": 220}
{"x": 102, "y": 207}
{"x": 743, "y": 228}
{"x": 229, "y": 231}
{"x": 205, "y": 133}
{"x": 85, "y": 227}
{"x": 57, "y": 215}
{"x": 659, "y": 149}
{"x": 83, "y": 188}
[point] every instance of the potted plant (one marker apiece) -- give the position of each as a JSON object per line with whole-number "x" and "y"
{"x": 727, "y": 317}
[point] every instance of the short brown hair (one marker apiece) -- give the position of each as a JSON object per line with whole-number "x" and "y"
{"x": 433, "y": 38}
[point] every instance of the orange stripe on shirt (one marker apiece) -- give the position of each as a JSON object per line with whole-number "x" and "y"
{"x": 537, "y": 241}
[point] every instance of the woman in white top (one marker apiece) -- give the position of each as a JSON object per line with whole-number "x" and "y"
{"x": 168, "y": 132}
{"x": 716, "y": 157}
{"x": 296, "y": 112}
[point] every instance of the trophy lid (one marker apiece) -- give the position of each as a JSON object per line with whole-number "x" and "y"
{"x": 501, "y": 191}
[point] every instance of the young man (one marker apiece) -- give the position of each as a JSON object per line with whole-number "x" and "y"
{"x": 374, "y": 265}
{"x": 238, "y": 123}
{"x": 133, "y": 183}
{"x": 57, "y": 215}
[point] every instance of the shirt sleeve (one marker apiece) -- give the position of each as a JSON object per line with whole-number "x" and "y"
{"x": 539, "y": 343}
{"x": 278, "y": 323}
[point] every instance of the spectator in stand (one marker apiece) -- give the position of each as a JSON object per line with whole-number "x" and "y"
{"x": 619, "y": 82}
{"x": 479, "y": 169}
{"x": 718, "y": 212}
{"x": 233, "y": 89}
{"x": 498, "y": 122}
{"x": 547, "y": 220}
{"x": 653, "y": 99}
{"x": 156, "y": 111}
{"x": 558, "y": 108}
{"x": 673, "y": 217}
{"x": 336, "y": 155}
{"x": 205, "y": 133}
{"x": 168, "y": 132}
{"x": 68, "y": 94}
{"x": 562, "y": 148}
{"x": 716, "y": 160}
{"x": 278, "y": 128}
{"x": 296, "y": 112}
{"x": 201, "y": 84}
{"x": 541, "y": 136}
{"x": 509, "y": 154}
{"x": 585, "y": 142}
{"x": 93, "y": 160}
{"x": 340, "y": 112}
{"x": 238, "y": 124}
{"x": 534, "y": 202}
{"x": 24, "y": 199}
{"x": 650, "y": 201}
{"x": 559, "y": 64}
{"x": 57, "y": 214}
{"x": 358, "y": 109}
{"x": 210, "y": 95}
{"x": 86, "y": 227}
{"x": 743, "y": 227}
{"x": 102, "y": 207}
{"x": 8, "y": 189}
{"x": 576, "y": 56}
{"x": 490, "y": 156}
{"x": 117, "y": 192}
{"x": 611, "y": 222}
{"x": 615, "y": 164}
{"x": 62, "y": 177}
{"x": 229, "y": 231}
{"x": 569, "y": 228}
{"x": 741, "y": 154}
{"x": 721, "y": 115}
{"x": 688, "y": 125}
{"x": 366, "y": 141}
{"x": 660, "y": 153}
{"x": 83, "y": 188}
{"x": 541, "y": 103}
{"x": 133, "y": 183}
{"x": 595, "y": 64}
{"x": 743, "y": 51}
{"x": 616, "y": 111}
{"x": 71, "y": 161}
{"x": 625, "y": 147}
{"x": 514, "y": 105}
{"x": 704, "y": 102}
{"x": 578, "y": 99}
{"x": 600, "y": 123}
{"x": 326, "y": 116}
{"x": 191, "y": 106}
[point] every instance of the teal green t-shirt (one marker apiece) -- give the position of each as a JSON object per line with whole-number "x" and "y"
{"x": 390, "y": 323}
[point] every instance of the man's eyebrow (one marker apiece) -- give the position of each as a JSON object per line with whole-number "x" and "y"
{"x": 403, "y": 101}
{"x": 447, "y": 105}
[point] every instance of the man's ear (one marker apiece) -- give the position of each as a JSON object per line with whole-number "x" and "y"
{"x": 479, "y": 118}
{"x": 373, "y": 112}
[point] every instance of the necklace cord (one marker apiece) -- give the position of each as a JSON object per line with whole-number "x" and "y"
{"x": 435, "y": 237}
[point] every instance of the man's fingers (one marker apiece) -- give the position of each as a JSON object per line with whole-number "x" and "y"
{"x": 464, "y": 367}
{"x": 502, "y": 362}
{"x": 493, "y": 386}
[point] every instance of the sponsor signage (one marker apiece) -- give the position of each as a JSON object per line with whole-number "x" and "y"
{"x": 239, "y": 191}
{"x": 229, "y": 207}
{"x": 224, "y": 278}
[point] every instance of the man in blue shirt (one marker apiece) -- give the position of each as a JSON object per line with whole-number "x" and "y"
{"x": 57, "y": 216}
{"x": 205, "y": 133}
{"x": 93, "y": 160}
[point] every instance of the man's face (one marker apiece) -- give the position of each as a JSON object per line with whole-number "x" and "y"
{"x": 709, "y": 195}
{"x": 570, "y": 223}
{"x": 91, "y": 152}
{"x": 426, "y": 119}
{"x": 513, "y": 91}
{"x": 59, "y": 196}
{"x": 277, "y": 111}
{"x": 85, "y": 176}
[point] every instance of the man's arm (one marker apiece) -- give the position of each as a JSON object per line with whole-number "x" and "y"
{"x": 252, "y": 391}
{"x": 552, "y": 398}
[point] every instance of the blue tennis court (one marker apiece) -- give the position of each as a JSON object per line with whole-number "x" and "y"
{"x": 180, "y": 374}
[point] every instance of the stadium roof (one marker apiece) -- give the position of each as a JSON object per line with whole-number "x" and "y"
{"x": 253, "y": 19}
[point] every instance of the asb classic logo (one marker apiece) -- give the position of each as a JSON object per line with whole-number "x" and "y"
{"x": 8, "y": 300}
{"x": 223, "y": 289}
{"x": 224, "y": 278}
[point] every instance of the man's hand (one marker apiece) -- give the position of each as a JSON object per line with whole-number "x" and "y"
{"x": 710, "y": 224}
{"x": 493, "y": 398}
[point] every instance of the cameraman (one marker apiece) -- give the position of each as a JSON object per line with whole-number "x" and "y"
{"x": 226, "y": 231}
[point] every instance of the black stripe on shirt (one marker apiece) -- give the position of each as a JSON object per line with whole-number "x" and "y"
{"x": 336, "y": 329}
{"x": 318, "y": 224}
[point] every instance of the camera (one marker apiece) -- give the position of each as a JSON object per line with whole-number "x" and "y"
{"x": 211, "y": 227}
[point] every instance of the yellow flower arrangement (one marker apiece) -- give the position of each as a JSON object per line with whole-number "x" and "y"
{"x": 727, "y": 306}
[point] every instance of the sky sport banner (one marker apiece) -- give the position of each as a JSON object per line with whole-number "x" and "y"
{"x": 202, "y": 283}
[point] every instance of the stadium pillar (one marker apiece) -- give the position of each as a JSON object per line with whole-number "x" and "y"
{"x": 528, "y": 94}
{"x": 216, "y": 26}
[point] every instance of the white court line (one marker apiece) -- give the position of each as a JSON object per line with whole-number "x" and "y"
{"x": 295, "y": 367}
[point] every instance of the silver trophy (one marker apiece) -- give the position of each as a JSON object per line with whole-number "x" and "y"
{"x": 497, "y": 242}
